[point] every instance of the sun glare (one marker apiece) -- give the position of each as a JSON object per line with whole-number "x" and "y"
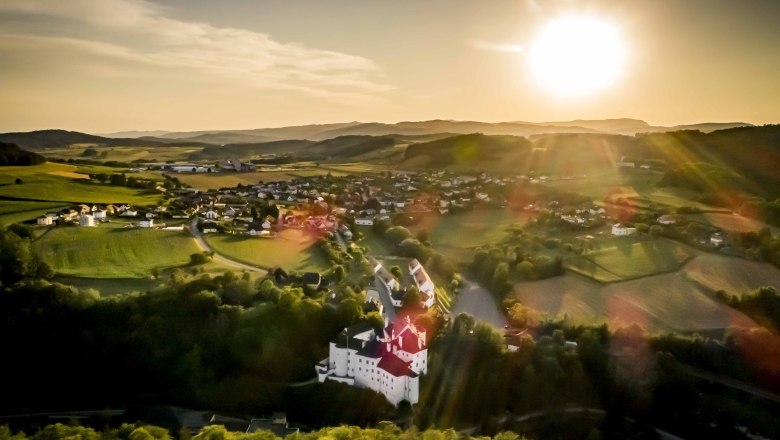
{"x": 576, "y": 56}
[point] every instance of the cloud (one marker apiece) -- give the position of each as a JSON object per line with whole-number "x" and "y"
{"x": 140, "y": 35}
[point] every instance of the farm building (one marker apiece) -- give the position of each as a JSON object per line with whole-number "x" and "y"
{"x": 423, "y": 281}
{"x": 87, "y": 220}
{"x": 620, "y": 230}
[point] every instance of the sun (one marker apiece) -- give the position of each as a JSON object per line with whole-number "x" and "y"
{"x": 574, "y": 56}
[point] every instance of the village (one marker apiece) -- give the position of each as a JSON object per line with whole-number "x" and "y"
{"x": 336, "y": 204}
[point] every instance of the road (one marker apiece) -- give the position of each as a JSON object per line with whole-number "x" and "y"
{"x": 219, "y": 257}
{"x": 479, "y": 303}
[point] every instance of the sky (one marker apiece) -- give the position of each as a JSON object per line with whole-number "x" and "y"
{"x": 101, "y": 66}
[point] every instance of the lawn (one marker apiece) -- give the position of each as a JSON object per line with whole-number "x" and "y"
{"x": 292, "y": 249}
{"x": 626, "y": 259}
{"x": 659, "y": 303}
{"x": 48, "y": 182}
{"x": 113, "y": 252}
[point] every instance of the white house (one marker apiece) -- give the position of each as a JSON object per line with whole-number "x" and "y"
{"x": 619, "y": 230}
{"x": 87, "y": 220}
{"x": 423, "y": 281}
{"x": 146, "y": 223}
{"x": 100, "y": 214}
{"x": 364, "y": 221}
{"x": 44, "y": 220}
{"x": 717, "y": 239}
{"x": 389, "y": 362}
{"x": 667, "y": 219}
{"x": 211, "y": 215}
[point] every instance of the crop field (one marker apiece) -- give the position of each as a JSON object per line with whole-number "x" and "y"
{"x": 113, "y": 252}
{"x": 42, "y": 183}
{"x": 658, "y": 303}
{"x": 734, "y": 275}
{"x": 729, "y": 222}
{"x": 356, "y": 168}
{"x": 292, "y": 249}
{"x": 204, "y": 181}
{"x": 126, "y": 154}
{"x": 627, "y": 260}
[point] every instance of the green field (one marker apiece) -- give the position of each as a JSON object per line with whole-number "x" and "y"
{"x": 15, "y": 211}
{"x": 113, "y": 252}
{"x": 292, "y": 249}
{"x": 456, "y": 235}
{"x": 61, "y": 183}
{"x": 627, "y": 259}
{"x": 374, "y": 244}
{"x": 659, "y": 303}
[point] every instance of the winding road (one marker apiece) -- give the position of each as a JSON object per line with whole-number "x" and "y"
{"x": 198, "y": 236}
{"x": 479, "y": 303}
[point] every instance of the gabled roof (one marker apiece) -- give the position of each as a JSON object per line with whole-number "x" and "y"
{"x": 395, "y": 366}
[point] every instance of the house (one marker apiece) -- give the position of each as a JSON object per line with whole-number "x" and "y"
{"x": 388, "y": 362}
{"x": 87, "y": 220}
{"x": 667, "y": 219}
{"x": 211, "y": 215}
{"x": 100, "y": 214}
{"x": 276, "y": 423}
{"x": 311, "y": 279}
{"x": 423, "y": 282}
{"x": 128, "y": 213}
{"x": 619, "y": 230}
{"x": 364, "y": 221}
{"x": 44, "y": 220}
{"x": 146, "y": 223}
{"x": 717, "y": 239}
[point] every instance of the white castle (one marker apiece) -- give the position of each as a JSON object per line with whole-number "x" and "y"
{"x": 389, "y": 362}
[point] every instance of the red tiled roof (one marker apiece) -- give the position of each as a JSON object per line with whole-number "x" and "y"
{"x": 395, "y": 366}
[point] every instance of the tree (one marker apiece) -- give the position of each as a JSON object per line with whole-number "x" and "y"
{"x": 199, "y": 258}
{"x": 396, "y": 271}
{"x": 412, "y": 297}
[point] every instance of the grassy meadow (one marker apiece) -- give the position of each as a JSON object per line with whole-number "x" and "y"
{"x": 113, "y": 252}
{"x": 15, "y": 211}
{"x": 292, "y": 249}
{"x": 64, "y": 183}
{"x": 625, "y": 259}
{"x": 456, "y": 235}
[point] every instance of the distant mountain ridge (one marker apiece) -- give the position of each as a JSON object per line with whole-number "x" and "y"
{"x": 320, "y": 132}
{"x": 43, "y": 139}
